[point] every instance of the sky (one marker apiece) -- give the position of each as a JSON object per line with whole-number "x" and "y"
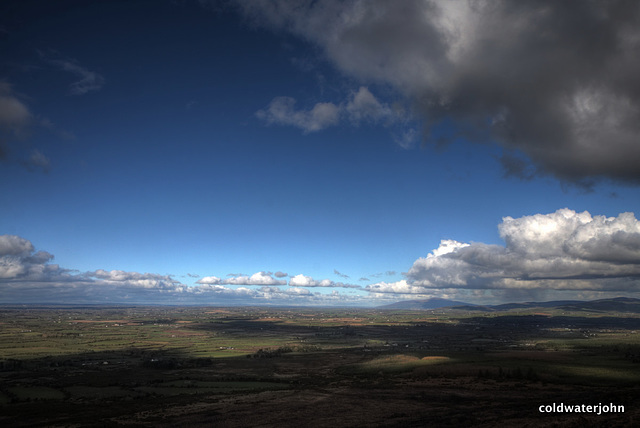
{"x": 334, "y": 153}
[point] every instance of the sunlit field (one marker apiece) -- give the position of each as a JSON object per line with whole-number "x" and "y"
{"x": 159, "y": 366}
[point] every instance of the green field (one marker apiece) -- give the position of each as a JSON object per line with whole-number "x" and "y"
{"x": 149, "y": 366}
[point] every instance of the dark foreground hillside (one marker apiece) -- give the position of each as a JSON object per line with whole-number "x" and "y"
{"x": 246, "y": 367}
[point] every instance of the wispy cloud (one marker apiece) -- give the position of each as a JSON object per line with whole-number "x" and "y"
{"x": 15, "y": 119}
{"x": 17, "y": 125}
{"x": 340, "y": 274}
{"x": 37, "y": 161}
{"x": 282, "y": 111}
{"x": 361, "y": 106}
{"x": 89, "y": 81}
{"x": 14, "y": 114}
{"x": 307, "y": 281}
{"x": 381, "y": 274}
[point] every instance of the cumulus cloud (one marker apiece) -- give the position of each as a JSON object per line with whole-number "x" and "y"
{"x": 209, "y": 280}
{"x": 26, "y": 275}
{"x": 258, "y": 278}
{"x": 135, "y": 279}
{"x": 552, "y": 81}
{"x": 12, "y": 245}
{"x": 561, "y": 252}
{"x": 20, "y": 262}
{"x": 307, "y": 281}
{"x": 398, "y": 287}
{"x": 564, "y": 250}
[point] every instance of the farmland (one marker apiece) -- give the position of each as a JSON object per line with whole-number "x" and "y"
{"x": 240, "y": 366}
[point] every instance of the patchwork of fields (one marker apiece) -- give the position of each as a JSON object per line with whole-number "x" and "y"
{"x": 197, "y": 366}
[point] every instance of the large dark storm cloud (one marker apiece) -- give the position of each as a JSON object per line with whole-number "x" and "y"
{"x": 553, "y": 82}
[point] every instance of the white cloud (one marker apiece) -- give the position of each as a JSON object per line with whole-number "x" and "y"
{"x": 360, "y": 106}
{"x": 279, "y": 293}
{"x": 18, "y": 262}
{"x": 258, "y": 278}
{"x": 12, "y": 245}
{"x": 447, "y": 246}
{"x": 561, "y": 250}
{"x": 219, "y": 291}
{"x": 11, "y": 267}
{"x": 135, "y": 279}
{"x": 552, "y": 254}
{"x": 363, "y": 106}
{"x": 209, "y": 280}
{"x": 398, "y": 287}
{"x": 281, "y": 111}
{"x": 307, "y": 281}
{"x": 27, "y": 276}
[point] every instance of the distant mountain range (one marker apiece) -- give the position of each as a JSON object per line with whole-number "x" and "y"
{"x": 618, "y": 304}
{"x": 433, "y": 303}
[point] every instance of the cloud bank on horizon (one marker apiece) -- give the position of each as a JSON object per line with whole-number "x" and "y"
{"x": 564, "y": 250}
{"x": 553, "y": 83}
{"x": 560, "y": 251}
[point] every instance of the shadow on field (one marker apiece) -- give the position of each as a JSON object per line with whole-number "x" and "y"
{"x": 301, "y": 369}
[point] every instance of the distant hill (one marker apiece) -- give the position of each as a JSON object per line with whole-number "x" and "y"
{"x": 432, "y": 303}
{"x": 618, "y": 304}
{"x": 526, "y": 305}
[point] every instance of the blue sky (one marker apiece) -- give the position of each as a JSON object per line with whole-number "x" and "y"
{"x": 333, "y": 153}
